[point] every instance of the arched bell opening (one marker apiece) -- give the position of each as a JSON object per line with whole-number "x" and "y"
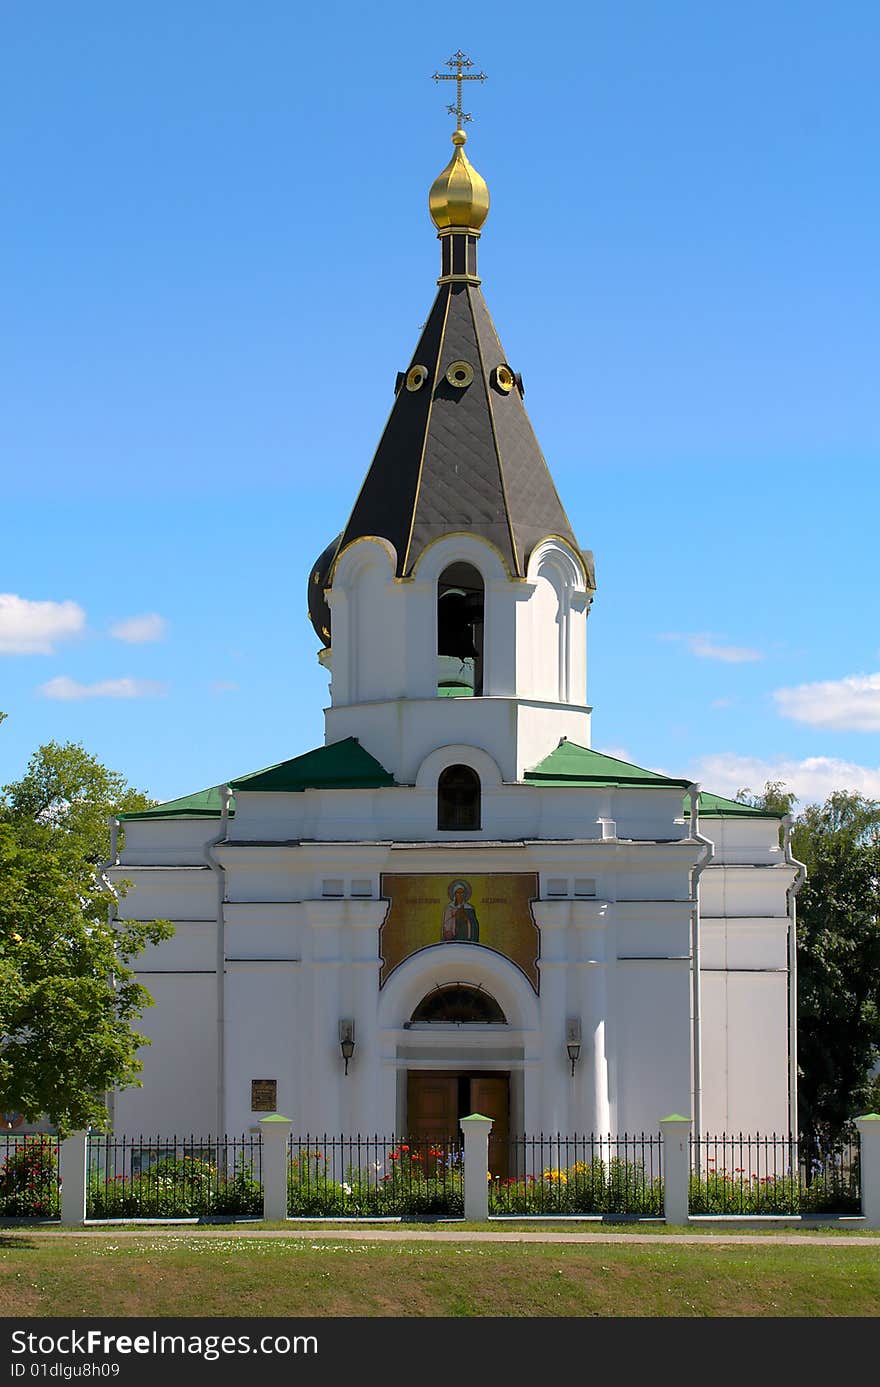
{"x": 460, "y": 614}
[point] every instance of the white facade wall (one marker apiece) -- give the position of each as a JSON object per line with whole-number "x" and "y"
{"x": 179, "y": 1093}
{"x": 515, "y": 812}
{"x": 744, "y": 973}
{"x": 297, "y": 962}
{"x": 298, "y": 929}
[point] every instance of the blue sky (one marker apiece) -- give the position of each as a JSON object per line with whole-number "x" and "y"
{"x": 216, "y": 255}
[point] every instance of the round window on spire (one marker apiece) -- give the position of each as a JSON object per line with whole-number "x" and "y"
{"x": 460, "y": 374}
{"x": 504, "y": 378}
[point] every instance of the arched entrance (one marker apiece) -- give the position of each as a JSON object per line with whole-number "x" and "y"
{"x": 460, "y": 1011}
{"x": 437, "y": 1100}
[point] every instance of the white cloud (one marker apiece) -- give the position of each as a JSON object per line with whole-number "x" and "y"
{"x": 723, "y": 702}
{"x": 67, "y": 689}
{"x": 138, "y": 630}
{"x": 708, "y": 647}
{"x": 220, "y": 686}
{"x": 812, "y": 779}
{"x": 850, "y": 705}
{"x": 31, "y": 628}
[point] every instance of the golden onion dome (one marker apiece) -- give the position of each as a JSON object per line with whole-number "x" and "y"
{"x": 459, "y": 196}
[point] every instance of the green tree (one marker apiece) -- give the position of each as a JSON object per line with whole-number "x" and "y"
{"x": 68, "y": 997}
{"x": 838, "y": 912}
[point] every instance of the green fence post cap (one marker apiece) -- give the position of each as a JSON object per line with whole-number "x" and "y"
{"x": 675, "y": 1117}
{"x": 869, "y": 1117}
{"x": 275, "y": 1117}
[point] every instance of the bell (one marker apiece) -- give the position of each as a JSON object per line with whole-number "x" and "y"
{"x": 455, "y": 623}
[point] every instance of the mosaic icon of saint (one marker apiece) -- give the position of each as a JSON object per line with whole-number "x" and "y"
{"x": 459, "y": 921}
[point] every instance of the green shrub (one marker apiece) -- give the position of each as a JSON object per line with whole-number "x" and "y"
{"x": 586, "y": 1187}
{"x": 29, "y": 1179}
{"x": 398, "y": 1184}
{"x": 832, "y": 1191}
{"x": 175, "y": 1187}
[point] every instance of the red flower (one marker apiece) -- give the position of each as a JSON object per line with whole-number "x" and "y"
{"x": 404, "y": 1148}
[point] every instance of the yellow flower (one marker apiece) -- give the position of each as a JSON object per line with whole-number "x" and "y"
{"x": 560, "y": 1176}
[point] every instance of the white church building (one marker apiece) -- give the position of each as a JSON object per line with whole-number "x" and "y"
{"x": 455, "y": 905}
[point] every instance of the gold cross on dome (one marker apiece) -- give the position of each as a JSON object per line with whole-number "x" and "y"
{"x": 459, "y": 61}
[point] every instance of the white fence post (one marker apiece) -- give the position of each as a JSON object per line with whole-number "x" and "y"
{"x": 275, "y": 1131}
{"x": 869, "y": 1166}
{"x": 475, "y": 1130}
{"x": 676, "y": 1167}
{"x": 74, "y": 1169}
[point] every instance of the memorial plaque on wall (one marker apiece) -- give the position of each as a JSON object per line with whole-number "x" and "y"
{"x": 264, "y": 1095}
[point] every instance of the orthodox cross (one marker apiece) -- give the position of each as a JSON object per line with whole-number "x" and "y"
{"x": 459, "y": 61}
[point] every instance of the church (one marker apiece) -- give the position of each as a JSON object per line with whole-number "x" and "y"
{"x": 455, "y": 905}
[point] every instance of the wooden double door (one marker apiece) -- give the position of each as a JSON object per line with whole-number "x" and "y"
{"x": 436, "y": 1101}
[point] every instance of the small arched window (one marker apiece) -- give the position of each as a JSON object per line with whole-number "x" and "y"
{"x": 458, "y": 799}
{"x": 460, "y": 608}
{"x": 459, "y": 1004}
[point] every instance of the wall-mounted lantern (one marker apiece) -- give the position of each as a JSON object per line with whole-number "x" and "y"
{"x": 346, "y": 1041}
{"x": 573, "y": 1040}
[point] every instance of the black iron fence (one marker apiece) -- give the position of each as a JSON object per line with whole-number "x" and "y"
{"x": 744, "y": 1174}
{"x": 374, "y": 1176}
{"x": 173, "y": 1177}
{"x": 356, "y": 1176}
{"x": 30, "y": 1176}
{"x": 577, "y": 1175}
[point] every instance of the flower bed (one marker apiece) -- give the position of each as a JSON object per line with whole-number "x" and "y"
{"x": 175, "y": 1187}
{"x": 596, "y": 1186}
{"x": 726, "y": 1192}
{"x": 29, "y": 1184}
{"x": 400, "y": 1179}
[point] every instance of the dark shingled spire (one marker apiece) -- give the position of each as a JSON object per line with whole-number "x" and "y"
{"x": 459, "y": 458}
{"x": 458, "y": 452}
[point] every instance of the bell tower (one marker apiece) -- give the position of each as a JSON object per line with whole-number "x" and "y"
{"x": 453, "y": 606}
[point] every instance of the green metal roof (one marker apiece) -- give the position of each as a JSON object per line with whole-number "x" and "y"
{"x": 346, "y": 765}
{"x": 571, "y": 764}
{"x": 717, "y": 807}
{"x": 341, "y": 766}
{"x": 204, "y": 804}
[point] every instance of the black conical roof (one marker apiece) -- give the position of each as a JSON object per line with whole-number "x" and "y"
{"x": 459, "y": 459}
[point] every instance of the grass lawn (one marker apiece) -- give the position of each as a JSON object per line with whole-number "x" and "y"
{"x": 156, "y": 1275}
